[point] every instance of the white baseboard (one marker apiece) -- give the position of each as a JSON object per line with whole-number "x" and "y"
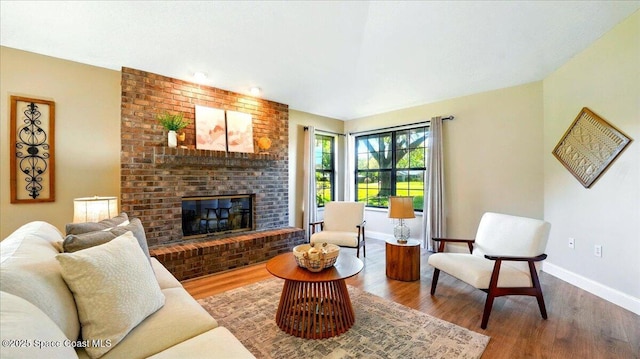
{"x": 612, "y": 295}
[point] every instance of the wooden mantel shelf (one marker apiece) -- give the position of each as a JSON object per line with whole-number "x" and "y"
{"x": 177, "y": 157}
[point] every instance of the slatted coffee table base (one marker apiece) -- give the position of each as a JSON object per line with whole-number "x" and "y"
{"x": 315, "y": 310}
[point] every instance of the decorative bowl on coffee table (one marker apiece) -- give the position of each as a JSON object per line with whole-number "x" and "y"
{"x": 316, "y": 257}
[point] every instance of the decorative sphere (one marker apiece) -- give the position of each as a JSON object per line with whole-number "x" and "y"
{"x": 264, "y": 143}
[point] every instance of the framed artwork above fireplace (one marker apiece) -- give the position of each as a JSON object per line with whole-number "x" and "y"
{"x": 239, "y": 132}
{"x": 220, "y": 130}
{"x": 211, "y": 129}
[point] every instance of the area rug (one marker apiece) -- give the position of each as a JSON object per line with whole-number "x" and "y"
{"x": 383, "y": 329}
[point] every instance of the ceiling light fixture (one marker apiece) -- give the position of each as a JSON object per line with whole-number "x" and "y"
{"x": 199, "y": 76}
{"x": 255, "y": 91}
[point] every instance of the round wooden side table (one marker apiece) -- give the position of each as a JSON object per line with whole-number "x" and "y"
{"x": 403, "y": 260}
{"x": 314, "y": 305}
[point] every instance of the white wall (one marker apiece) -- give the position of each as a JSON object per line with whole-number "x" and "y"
{"x": 87, "y": 130}
{"x": 606, "y": 79}
{"x": 493, "y": 156}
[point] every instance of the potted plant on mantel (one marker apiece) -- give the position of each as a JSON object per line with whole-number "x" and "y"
{"x": 173, "y": 123}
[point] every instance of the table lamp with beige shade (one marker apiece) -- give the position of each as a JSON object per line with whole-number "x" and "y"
{"x": 94, "y": 209}
{"x": 401, "y": 208}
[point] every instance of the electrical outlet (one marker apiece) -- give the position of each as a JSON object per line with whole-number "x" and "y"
{"x": 597, "y": 250}
{"x": 572, "y": 243}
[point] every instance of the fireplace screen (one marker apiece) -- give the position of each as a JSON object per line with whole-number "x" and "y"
{"x": 203, "y": 216}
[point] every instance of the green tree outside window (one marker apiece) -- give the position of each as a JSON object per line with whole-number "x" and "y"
{"x": 391, "y": 164}
{"x": 325, "y": 172}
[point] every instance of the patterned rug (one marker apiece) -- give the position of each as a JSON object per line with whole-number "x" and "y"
{"x": 383, "y": 329}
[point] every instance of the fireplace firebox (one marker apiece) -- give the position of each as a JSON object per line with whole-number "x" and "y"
{"x": 216, "y": 215}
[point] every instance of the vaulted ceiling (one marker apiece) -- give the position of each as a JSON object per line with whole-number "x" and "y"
{"x": 341, "y": 59}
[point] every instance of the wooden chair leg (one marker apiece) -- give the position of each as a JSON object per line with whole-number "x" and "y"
{"x": 361, "y": 243}
{"x": 488, "y": 305}
{"x": 492, "y": 291}
{"x": 538, "y": 289}
{"x": 543, "y": 309}
{"x": 434, "y": 280}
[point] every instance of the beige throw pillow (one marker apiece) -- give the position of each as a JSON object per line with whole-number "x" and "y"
{"x": 114, "y": 288}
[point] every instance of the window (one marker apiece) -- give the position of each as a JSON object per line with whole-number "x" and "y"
{"x": 391, "y": 164}
{"x": 325, "y": 171}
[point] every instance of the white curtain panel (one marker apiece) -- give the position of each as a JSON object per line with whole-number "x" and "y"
{"x": 434, "y": 221}
{"x": 349, "y": 168}
{"x": 309, "y": 205}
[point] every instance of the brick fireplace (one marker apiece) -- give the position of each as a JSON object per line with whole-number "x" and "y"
{"x": 155, "y": 178}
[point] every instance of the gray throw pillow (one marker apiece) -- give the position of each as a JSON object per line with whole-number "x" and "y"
{"x": 79, "y": 228}
{"x": 76, "y": 242}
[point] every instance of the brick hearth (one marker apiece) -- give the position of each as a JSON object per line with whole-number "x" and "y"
{"x": 195, "y": 259}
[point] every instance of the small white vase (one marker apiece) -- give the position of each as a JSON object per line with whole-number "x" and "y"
{"x": 172, "y": 138}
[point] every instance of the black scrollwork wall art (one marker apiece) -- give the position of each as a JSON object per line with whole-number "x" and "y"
{"x": 32, "y": 150}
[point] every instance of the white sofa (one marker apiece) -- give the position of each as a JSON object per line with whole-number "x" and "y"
{"x": 40, "y": 319}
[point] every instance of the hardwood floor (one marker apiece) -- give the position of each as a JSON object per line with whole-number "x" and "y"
{"x": 580, "y": 325}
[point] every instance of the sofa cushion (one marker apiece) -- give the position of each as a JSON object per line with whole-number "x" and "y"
{"x": 163, "y": 276}
{"x": 218, "y": 340}
{"x": 79, "y": 228}
{"x": 27, "y": 332}
{"x": 76, "y": 242}
{"x": 180, "y": 319}
{"x": 28, "y": 269}
{"x": 114, "y": 288}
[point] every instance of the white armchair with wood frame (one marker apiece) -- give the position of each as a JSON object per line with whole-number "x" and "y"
{"x": 343, "y": 225}
{"x": 504, "y": 259}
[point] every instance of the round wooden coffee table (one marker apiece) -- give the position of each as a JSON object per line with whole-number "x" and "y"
{"x": 314, "y": 305}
